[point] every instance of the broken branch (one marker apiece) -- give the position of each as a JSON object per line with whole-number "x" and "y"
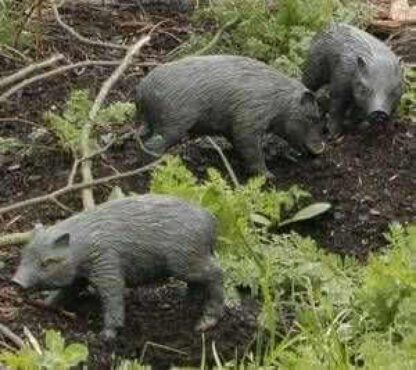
{"x": 67, "y": 189}
{"x": 225, "y": 161}
{"x": 82, "y": 38}
{"x": 116, "y": 75}
{"x": 55, "y": 72}
{"x": 29, "y": 69}
{"x": 87, "y": 195}
{"x": 12, "y": 336}
{"x": 15, "y": 238}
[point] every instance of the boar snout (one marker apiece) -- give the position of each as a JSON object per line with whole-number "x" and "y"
{"x": 314, "y": 143}
{"x": 22, "y": 280}
{"x": 316, "y": 148}
{"x": 378, "y": 116}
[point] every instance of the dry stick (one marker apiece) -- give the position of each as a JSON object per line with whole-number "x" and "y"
{"x": 16, "y": 52}
{"x": 87, "y": 194}
{"x": 226, "y": 163}
{"x": 5, "y": 345}
{"x": 42, "y": 305}
{"x": 21, "y": 120}
{"x": 212, "y": 43}
{"x": 98, "y": 152}
{"x": 116, "y": 75}
{"x": 29, "y": 69}
{"x": 63, "y": 206}
{"x": 12, "y": 336}
{"x": 15, "y": 238}
{"x": 58, "y": 71}
{"x": 82, "y": 38}
{"x": 67, "y": 189}
{"x": 218, "y": 36}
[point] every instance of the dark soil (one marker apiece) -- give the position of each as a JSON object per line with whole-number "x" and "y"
{"x": 368, "y": 176}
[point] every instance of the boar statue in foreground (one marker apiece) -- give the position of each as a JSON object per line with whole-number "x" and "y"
{"x": 363, "y": 74}
{"x": 125, "y": 243}
{"x": 232, "y": 96}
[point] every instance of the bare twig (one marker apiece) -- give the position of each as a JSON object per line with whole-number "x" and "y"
{"x": 12, "y": 336}
{"x": 64, "y": 69}
{"x": 218, "y": 36}
{"x": 32, "y": 340}
{"x": 12, "y": 221}
{"x": 142, "y": 147}
{"x": 21, "y": 120}
{"x": 5, "y": 345}
{"x": 55, "y": 72}
{"x": 116, "y": 75}
{"x": 29, "y": 69}
{"x": 68, "y": 189}
{"x": 82, "y": 38}
{"x": 16, "y": 52}
{"x": 73, "y": 171}
{"x": 87, "y": 195}
{"x": 15, "y": 238}
{"x": 98, "y": 152}
{"x": 226, "y": 162}
{"x": 63, "y": 206}
{"x": 212, "y": 43}
{"x": 41, "y": 305}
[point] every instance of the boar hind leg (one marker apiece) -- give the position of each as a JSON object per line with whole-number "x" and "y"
{"x": 209, "y": 277}
{"x": 250, "y": 150}
{"x": 339, "y": 106}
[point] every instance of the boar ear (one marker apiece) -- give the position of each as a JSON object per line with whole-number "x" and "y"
{"x": 307, "y": 98}
{"x": 361, "y": 64}
{"x": 62, "y": 241}
{"x": 38, "y": 229}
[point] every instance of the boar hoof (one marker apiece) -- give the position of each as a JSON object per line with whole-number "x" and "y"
{"x": 108, "y": 335}
{"x": 270, "y": 176}
{"x": 206, "y": 322}
{"x": 334, "y": 129}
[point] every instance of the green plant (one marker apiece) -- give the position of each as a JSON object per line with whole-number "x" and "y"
{"x": 11, "y": 18}
{"x": 10, "y": 145}
{"x": 318, "y": 310}
{"x": 390, "y": 281}
{"x": 68, "y": 125}
{"x": 54, "y": 356}
{"x": 407, "y": 106}
{"x": 279, "y": 36}
{"x": 250, "y": 255}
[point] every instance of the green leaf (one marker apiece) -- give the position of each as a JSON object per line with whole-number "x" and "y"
{"x": 54, "y": 341}
{"x": 260, "y": 219}
{"x": 75, "y": 353}
{"x": 308, "y": 212}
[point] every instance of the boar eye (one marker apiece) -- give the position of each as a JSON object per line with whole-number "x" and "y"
{"x": 50, "y": 261}
{"x": 363, "y": 89}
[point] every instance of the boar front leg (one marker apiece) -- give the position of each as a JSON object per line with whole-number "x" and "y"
{"x": 340, "y": 101}
{"x": 250, "y": 150}
{"x": 111, "y": 290}
{"x": 109, "y": 283}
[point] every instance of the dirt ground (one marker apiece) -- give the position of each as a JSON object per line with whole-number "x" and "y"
{"x": 368, "y": 176}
